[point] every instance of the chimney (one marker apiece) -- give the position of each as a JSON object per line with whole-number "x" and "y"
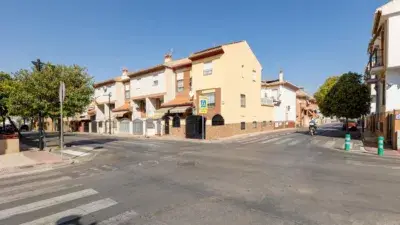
{"x": 124, "y": 72}
{"x": 167, "y": 57}
{"x": 281, "y": 76}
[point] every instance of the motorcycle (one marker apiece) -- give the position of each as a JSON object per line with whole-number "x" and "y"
{"x": 312, "y": 128}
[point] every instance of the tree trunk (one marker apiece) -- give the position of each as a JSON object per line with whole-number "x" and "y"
{"x": 15, "y": 127}
{"x": 347, "y": 125}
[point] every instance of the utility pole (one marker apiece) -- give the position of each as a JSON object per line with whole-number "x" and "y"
{"x": 109, "y": 113}
{"x": 38, "y": 65}
{"x": 62, "y": 96}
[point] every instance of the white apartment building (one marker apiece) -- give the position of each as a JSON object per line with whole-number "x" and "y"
{"x": 282, "y": 94}
{"x": 383, "y": 69}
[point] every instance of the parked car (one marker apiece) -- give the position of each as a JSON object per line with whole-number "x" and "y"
{"x": 352, "y": 125}
{"x": 24, "y": 127}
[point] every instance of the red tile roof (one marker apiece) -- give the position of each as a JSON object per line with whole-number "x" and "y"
{"x": 178, "y": 101}
{"x": 124, "y": 107}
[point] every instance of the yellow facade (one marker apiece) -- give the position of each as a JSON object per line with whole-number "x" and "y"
{"x": 237, "y": 71}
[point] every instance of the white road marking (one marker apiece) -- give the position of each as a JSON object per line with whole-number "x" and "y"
{"x": 80, "y": 210}
{"x": 32, "y": 185}
{"x": 24, "y": 173}
{"x": 329, "y": 144}
{"x": 270, "y": 140}
{"x": 75, "y": 153}
{"x": 4, "y": 214}
{"x": 119, "y": 219}
{"x": 28, "y": 178}
{"x": 295, "y": 142}
{"x": 283, "y": 141}
{"x": 37, "y": 192}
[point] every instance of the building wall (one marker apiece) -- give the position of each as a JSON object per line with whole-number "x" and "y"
{"x": 170, "y": 79}
{"x": 99, "y": 93}
{"x": 145, "y": 85}
{"x": 393, "y": 44}
{"x": 233, "y": 74}
{"x": 287, "y": 98}
{"x": 119, "y": 94}
{"x": 393, "y": 89}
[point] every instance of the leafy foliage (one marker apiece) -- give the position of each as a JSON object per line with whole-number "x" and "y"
{"x": 323, "y": 91}
{"x": 348, "y": 98}
{"x": 4, "y": 81}
{"x": 34, "y": 91}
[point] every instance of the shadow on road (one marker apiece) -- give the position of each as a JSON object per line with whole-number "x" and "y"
{"x": 71, "y": 220}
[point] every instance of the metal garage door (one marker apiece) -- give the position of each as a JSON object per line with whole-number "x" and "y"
{"x": 137, "y": 127}
{"x": 124, "y": 126}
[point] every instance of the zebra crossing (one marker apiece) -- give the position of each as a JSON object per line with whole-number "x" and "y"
{"x": 51, "y": 193}
{"x": 294, "y": 139}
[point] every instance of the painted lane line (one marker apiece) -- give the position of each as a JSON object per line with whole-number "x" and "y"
{"x": 283, "y": 141}
{"x": 28, "y": 178}
{"x": 119, "y": 219}
{"x": 75, "y": 153}
{"x": 24, "y": 173}
{"x": 37, "y": 192}
{"x": 31, "y": 186}
{"x": 270, "y": 140}
{"x": 80, "y": 210}
{"x": 329, "y": 144}
{"x": 295, "y": 142}
{"x": 4, "y": 214}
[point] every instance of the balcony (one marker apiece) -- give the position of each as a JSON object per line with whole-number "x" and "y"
{"x": 267, "y": 101}
{"x": 376, "y": 61}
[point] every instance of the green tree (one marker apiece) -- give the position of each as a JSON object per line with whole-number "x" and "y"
{"x": 33, "y": 91}
{"x": 348, "y": 98}
{"x": 322, "y": 92}
{"x": 5, "y": 78}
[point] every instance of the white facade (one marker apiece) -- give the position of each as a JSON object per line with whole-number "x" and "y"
{"x": 393, "y": 41}
{"x": 285, "y": 108}
{"x": 393, "y": 89}
{"x": 149, "y": 84}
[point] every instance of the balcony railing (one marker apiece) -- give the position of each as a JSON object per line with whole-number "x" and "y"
{"x": 267, "y": 101}
{"x": 376, "y": 59}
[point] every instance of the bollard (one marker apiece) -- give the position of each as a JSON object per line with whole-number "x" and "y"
{"x": 347, "y": 143}
{"x": 380, "y": 146}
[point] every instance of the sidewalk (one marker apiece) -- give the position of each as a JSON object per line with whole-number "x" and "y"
{"x": 27, "y": 159}
{"x": 174, "y": 138}
{"x": 370, "y": 144}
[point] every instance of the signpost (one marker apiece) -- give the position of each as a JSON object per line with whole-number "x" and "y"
{"x": 62, "y": 98}
{"x": 203, "y": 109}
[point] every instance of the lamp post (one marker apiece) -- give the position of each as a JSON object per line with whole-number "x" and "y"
{"x": 38, "y": 65}
{"x": 109, "y": 112}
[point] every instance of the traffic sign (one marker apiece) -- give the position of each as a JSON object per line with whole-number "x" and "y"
{"x": 62, "y": 91}
{"x": 203, "y": 109}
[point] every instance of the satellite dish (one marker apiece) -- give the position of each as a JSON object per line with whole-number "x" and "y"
{"x": 191, "y": 94}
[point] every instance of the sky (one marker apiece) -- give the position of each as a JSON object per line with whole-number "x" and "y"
{"x": 308, "y": 39}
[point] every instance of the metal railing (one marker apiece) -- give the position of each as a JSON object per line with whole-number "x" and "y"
{"x": 267, "y": 101}
{"x": 376, "y": 58}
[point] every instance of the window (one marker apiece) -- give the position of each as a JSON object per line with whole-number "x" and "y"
{"x": 254, "y": 124}
{"x": 243, "y": 126}
{"x": 275, "y": 94}
{"x": 190, "y": 83}
{"x": 243, "y": 101}
{"x": 264, "y": 123}
{"x": 138, "y": 84}
{"x": 155, "y": 80}
{"x": 176, "y": 121}
{"x": 211, "y": 99}
{"x": 254, "y": 75}
{"x": 217, "y": 120}
{"x": 127, "y": 91}
{"x": 208, "y": 68}
{"x": 179, "y": 82}
{"x": 100, "y": 124}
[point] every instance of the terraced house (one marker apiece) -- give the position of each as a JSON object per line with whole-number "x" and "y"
{"x": 164, "y": 99}
{"x": 383, "y": 72}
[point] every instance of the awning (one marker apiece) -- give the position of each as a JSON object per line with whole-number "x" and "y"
{"x": 160, "y": 112}
{"x": 119, "y": 114}
{"x": 180, "y": 109}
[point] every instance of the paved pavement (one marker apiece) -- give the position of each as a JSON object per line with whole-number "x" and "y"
{"x": 290, "y": 178}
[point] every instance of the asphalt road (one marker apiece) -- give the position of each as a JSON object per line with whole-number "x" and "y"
{"x": 280, "y": 178}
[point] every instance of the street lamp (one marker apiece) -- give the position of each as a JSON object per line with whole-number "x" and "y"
{"x": 109, "y": 110}
{"x": 38, "y": 65}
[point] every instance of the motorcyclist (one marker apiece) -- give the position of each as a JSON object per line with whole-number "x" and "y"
{"x": 312, "y": 125}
